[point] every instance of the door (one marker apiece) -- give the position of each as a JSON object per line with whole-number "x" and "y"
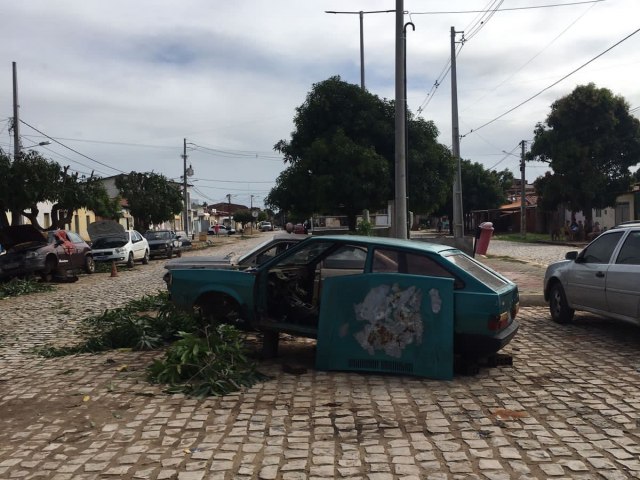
{"x": 586, "y": 280}
{"x": 386, "y": 322}
{"x": 138, "y": 245}
{"x": 623, "y": 279}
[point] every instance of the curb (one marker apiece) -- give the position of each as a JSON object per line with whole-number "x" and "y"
{"x": 532, "y": 300}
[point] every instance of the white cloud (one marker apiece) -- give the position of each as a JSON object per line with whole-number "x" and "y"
{"x": 132, "y": 79}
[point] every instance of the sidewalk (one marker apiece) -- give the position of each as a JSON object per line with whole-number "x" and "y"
{"x": 528, "y": 276}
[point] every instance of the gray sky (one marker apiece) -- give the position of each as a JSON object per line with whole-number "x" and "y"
{"x": 123, "y": 82}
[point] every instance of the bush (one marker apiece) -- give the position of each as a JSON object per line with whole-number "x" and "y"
{"x": 364, "y": 228}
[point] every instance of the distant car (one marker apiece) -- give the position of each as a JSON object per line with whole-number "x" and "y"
{"x": 373, "y": 294}
{"x": 603, "y": 278}
{"x": 300, "y": 229}
{"x": 266, "y": 227}
{"x": 112, "y": 243}
{"x": 28, "y": 251}
{"x": 222, "y": 230}
{"x": 185, "y": 242}
{"x": 163, "y": 243}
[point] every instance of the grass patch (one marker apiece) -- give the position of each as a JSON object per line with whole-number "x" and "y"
{"x": 19, "y": 286}
{"x": 530, "y": 237}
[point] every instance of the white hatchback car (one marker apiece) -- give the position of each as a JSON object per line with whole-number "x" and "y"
{"x": 111, "y": 242}
{"x": 604, "y": 278}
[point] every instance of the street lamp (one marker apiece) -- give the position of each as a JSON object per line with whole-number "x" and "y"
{"x": 41, "y": 144}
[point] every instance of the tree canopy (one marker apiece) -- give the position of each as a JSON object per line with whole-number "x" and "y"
{"x": 589, "y": 140}
{"x": 341, "y": 156}
{"x": 482, "y": 189}
{"x": 30, "y": 179}
{"x": 150, "y": 196}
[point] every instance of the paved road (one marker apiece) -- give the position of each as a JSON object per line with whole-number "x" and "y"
{"x": 567, "y": 408}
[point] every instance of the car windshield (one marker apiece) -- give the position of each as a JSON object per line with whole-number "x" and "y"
{"x": 109, "y": 242}
{"x": 476, "y": 269}
{"x": 307, "y": 254}
{"x": 157, "y": 236}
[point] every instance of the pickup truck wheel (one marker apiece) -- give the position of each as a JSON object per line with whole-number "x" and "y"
{"x": 558, "y": 306}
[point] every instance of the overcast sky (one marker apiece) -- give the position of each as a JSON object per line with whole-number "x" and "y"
{"x": 124, "y": 82}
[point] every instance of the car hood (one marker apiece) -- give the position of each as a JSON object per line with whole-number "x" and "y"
{"x": 19, "y": 234}
{"x": 105, "y": 228}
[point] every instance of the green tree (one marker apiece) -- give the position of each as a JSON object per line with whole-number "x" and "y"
{"x": 341, "y": 156}
{"x": 243, "y": 216}
{"x": 31, "y": 178}
{"x": 150, "y": 196}
{"x": 482, "y": 189}
{"x": 589, "y": 140}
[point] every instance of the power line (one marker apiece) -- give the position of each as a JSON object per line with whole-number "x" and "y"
{"x": 532, "y": 7}
{"x": 553, "y": 84}
{"x": 69, "y": 148}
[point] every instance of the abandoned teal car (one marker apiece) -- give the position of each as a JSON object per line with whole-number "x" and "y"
{"x": 373, "y": 299}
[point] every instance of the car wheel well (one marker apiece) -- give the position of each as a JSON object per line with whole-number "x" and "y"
{"x": 218, "y": 307}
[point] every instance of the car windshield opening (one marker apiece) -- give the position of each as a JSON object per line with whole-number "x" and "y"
{"x": 109, "y": 242}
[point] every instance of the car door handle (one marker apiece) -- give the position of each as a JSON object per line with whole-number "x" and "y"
{"x": 600, "y": 275}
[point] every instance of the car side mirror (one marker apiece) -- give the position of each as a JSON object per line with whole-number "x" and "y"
{"x": 573, "y": 255}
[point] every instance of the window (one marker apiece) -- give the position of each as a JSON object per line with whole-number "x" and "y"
{"x": 74, "y": 237}
{"x": 396, "y": 261}
{"x": 347, "y": 257}
{"x": 601, "y": 249}
{"x": 630, "y": 251}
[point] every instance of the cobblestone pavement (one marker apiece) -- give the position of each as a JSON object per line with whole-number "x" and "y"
{"x": 567, "y": 408}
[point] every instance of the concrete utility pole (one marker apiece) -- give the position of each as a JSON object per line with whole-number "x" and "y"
{"x": 400, "y": 203}
{"x": 458, "y": 216}
{"x": 361, "y": 15}
{"x": 16, "y": 120}
{"x": 184, "y": 187}
{"x": 406, "y": 117}
{"x": 523, "y": 198}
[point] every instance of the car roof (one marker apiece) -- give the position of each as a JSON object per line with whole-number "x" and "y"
{"x": 387, "y": 242}
{"x": 629, "y": 224}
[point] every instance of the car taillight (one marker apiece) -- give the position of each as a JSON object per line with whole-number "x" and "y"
{"x": 515, "y": 308}
{"x": 498, "y": 322}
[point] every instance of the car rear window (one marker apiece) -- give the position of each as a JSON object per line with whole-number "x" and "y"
{"x": 477, "y": 270}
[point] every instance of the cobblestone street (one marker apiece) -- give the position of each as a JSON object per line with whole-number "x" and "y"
{"x": 569, "y": 407}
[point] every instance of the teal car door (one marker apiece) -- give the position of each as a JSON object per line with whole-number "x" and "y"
{"x": 395, "y": 323}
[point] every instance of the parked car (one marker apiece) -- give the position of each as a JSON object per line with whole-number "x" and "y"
{"x": 110, "y": 242}
{"x": 603, "y": 278}
{"x": 262, "y": 253}
{"x": 266, "y": 227}
{"x": 29, "y": 251}
{"x": 396, "y": 288}
{"x": 163, "y": 243}
{"x": 222, "y": 230}
{"x": 185, "y": 241}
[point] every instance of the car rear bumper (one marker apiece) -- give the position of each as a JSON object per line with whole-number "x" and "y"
{"x": 477, "y": 345}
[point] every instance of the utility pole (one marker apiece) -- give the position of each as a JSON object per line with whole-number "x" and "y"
{"x": 361, "y": 15}
{"x": 523, "y": 198}
{"x": 400, "y": 217}
{"x": 406, "y": 117}
{"x": 229, "y": 199}
{"x": 184, "y": 188}
{"x": 16, "y": 120}
{"x": 458, "y": 225}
